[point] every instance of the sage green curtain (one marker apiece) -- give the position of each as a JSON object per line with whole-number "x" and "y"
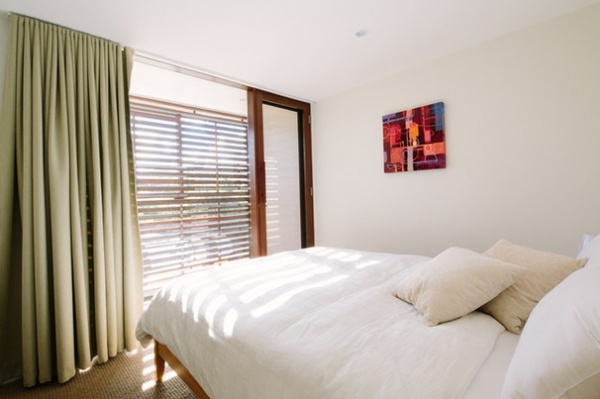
{"x": 70, "y": 256}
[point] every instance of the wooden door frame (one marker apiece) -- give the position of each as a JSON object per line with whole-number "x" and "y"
{"x": 256, "y": 99}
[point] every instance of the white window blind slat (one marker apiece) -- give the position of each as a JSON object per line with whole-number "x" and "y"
{"x": 193, "y": 191}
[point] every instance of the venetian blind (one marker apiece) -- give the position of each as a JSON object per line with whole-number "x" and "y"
{"x": 193, "y": 191}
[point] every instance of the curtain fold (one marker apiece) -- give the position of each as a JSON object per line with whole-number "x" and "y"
{"x": 69, "y": 229}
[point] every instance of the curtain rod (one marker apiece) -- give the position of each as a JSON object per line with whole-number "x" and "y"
{"x": 65, "y": 27}
{"x": 161, "y": 62}
{"x": 188, "y": 70}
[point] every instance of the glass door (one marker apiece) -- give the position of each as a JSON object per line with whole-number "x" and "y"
{"x": 282, "y": 179}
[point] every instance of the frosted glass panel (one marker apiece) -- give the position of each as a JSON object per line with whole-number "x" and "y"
{"x": 282, "y": 174}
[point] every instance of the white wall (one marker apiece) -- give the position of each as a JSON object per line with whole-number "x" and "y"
{"x": 523, "y": 148}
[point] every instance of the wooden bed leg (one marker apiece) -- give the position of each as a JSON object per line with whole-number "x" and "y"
{"x": 162, "y": 354}
{"x": 159, "y": 363}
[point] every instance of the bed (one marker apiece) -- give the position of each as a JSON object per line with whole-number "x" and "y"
{"x": 340, "y": 323}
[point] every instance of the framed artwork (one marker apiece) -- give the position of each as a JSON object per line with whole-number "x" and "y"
{"x": 414, "y": 139}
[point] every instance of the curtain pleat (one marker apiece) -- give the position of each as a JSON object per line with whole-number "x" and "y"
{"x": 65, "y": 118}
{"x": 10, "y": 249}
{"x": 131, "y": 242}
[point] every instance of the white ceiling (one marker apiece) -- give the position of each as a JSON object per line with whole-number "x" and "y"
{"x": 306, "y": 49}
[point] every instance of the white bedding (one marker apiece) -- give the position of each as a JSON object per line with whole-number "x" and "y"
{"x": 315, "y": 323}
{"x": 490, "y": 378}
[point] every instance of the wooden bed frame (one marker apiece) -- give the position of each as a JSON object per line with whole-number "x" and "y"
{"x": 162, "y": 354}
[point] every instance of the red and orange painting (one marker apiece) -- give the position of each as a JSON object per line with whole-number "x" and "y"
{"x": 414, "y": 139}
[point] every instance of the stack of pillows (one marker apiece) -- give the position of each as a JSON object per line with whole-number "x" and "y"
{"x": 558, "y": 355}
{"x": 506, "y": 282}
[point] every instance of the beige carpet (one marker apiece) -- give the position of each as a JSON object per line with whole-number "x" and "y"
{"x": 128, "y": 375}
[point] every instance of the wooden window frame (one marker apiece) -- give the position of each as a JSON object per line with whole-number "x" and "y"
{"x": 214, "y": 221}
{"x": 256, "y": 99}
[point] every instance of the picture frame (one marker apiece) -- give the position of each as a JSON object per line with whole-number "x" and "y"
{"x": 414, "y": 139}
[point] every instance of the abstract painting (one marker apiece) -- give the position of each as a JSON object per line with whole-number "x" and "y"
{"x": 414, "y": 139}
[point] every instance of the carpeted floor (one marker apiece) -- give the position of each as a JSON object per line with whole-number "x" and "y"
{"x": 128, "y": 375}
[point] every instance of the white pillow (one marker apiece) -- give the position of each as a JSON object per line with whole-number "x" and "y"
{"x": 558, "y": 355}
{"x": 591, "y": 251}
{"x": 456, "y": 282}
{"x": 544, "y": 271}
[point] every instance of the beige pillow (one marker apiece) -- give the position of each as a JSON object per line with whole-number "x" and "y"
{"x": 544, "y": 271}
{"x": 456, "y": 282}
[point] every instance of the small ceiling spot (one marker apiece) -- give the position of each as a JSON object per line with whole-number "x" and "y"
{"x": 361, "y": 33}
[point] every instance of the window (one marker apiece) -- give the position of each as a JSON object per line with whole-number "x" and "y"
{"x": 193, "y": 188}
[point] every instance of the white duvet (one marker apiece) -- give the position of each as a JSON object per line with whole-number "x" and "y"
{"x": 314, "y": 323}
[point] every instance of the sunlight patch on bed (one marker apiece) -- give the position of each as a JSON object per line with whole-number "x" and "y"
{"x": 184, "y": 299}
{"x": 337, "y": 255}
{"x": 251, "y": 267}
{"x": 351, "y": 258}
{"x": 320, "y": 251}
{"x": 292, "y": 277}
{"x": 175, "y": 288}
{"x": 201, "y": 296}
{"x": 229, "y": 322}
{"x": 212, "y": 309}
{"x": 281, "y": 299}
{"x": 367, "y": 264}
{"x": 268, "y": 276}
{"x": 344, "y": 256}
